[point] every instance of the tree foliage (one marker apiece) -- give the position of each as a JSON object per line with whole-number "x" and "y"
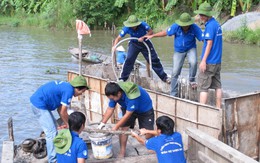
{"x": 99, "y": 12}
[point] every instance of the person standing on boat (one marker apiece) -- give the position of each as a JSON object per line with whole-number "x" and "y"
{"x": 50, "y": 96}
{"x": 211, "y": 56}
{"x": 138, "y": 29}
{"x": 185, "y": 33}
{"x": 135, "y": 103}
{"x": 167, "y": 144}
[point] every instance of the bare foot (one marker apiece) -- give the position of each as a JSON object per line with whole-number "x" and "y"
{"x": 120, "y": 155}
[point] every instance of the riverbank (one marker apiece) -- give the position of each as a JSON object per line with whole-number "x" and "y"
{"x": 243, "y": 35}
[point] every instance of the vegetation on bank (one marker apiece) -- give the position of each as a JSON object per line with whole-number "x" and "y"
{"x": 97, "y": 13}
{"x": 243, "y": 35}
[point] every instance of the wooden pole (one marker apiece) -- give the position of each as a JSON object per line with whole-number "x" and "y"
{"x": 10, "y": 129}
{"x": 118, "y": 132}
{"x": 80, "y": 53}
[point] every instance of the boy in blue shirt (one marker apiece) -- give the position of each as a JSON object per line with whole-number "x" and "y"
{"x": 50, "y": 96}
{"x": 167, "y": 144}
{"x": 138, "y": 29}
{"x": 69, "y": 146}
{"x": 211, "y": 56}
{"x": 135, "y": 103}
{"x": 186, "y": 33}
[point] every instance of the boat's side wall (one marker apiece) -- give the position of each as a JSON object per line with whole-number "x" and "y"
{"x": 185, "y": 113}
{"x": 242, "y": 123}
{"x": 204, "y": 148}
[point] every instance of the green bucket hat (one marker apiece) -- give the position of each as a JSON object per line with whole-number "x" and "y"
{"x": 62, "y": 141}
{"x": 132, "y": 21}
{"x": 79, "y": 81}
{"x": 185, "y": 20}
{"x": 205, "y": 9}
{"x": 131, "y": 89}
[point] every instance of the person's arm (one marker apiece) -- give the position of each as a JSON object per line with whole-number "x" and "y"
{"x": 144, "y": 131}
{"x": 123, "y": 120}
{"x": 149, "y": 33}
{"x": 107, "y": 114}
{"x": 62, "y": 110}
{"x": 81, "y": 160}
{"x": 159, "y": 34}
{"x": 138, "y": 138}
{"x": 202, "y": 66}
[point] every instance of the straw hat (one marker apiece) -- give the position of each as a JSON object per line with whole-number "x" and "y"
{"x": 131, "y": 89}
{"x": 120, "y": 48}
{"x": 79, "y": 81}
{"x": 132, "y": 21}
{"x": 205, "y": 9}
{"x": 62, "y": 141}
{"x": 185, "y": 20}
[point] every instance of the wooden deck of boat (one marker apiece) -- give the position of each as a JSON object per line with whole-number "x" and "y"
{"x": 135, "y": 152}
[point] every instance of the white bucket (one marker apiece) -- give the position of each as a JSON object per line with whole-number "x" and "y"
{"x": 101, "y": 145}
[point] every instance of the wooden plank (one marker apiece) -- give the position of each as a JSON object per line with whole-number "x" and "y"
{"x": 10, "y": 129}
{"x": 204, "y": 158}
{"x": 210, "y": 117}
{"x": 218, "y": 147}
{"x": 186, "y": 110}
{"x": 7, "y": 152}
{"x": 242, "y": 124}
{"x": 166, "y": 105}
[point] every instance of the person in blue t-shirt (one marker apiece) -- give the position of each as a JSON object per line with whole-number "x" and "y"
{"x": 211, "y": 56}
{"x": 135, "y": 103}
{"x": 69, "y": 146}
{"x": 138, "y": 29}
{"x": 185, "y": 33}
{"x": 120, "y": 55}
{"x": 167, "y": 144}
{"x": 50, "y": 96}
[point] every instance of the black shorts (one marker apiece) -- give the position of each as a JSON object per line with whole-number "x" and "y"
{"x": 145, "y": 120}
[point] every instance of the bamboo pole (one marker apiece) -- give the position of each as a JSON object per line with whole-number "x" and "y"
{"x": 80, "y": 53}
{"x": 118, "y": 132}
{"x": 10, "y": 129}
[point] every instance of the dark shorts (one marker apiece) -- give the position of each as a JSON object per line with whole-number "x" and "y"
{"x": 210, "y": 79}
{"x": 145, "y": 120}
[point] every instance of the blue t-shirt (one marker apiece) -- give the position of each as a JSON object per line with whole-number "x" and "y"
{"x": 141, "y": 104}
{"x": 52, "y": 94}
{"x": 213, "y": 32}
{"x": 78, "y": 149}
{"x": 139, "y": 32}
{"x": 184, "y": 41}
{"x": 120, "y": 57}
{"x": 168, "y": 148}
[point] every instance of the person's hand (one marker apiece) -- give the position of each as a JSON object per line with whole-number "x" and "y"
{"x": 143, "y": 131}
{"x": 133, "y": 134}
{"x": 101, "y": 125}
{"x": 62, "y": 127}
{"x": 202, "y": 66}
{"x": 141, "y": 39}
{"x": 148, "y": 37}
{"x": 114, "y": 128}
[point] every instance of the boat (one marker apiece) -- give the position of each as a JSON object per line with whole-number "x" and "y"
{"x": 88, "y": 57}
{"x": 209, "y": 134}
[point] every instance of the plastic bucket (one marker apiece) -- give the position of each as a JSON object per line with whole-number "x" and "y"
{"x": 101, "y": 145}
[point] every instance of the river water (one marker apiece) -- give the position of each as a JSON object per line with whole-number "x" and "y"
{"x": 27, "y": 53}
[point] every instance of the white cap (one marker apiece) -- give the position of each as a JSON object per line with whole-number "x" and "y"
{"x": 120, "y": 48}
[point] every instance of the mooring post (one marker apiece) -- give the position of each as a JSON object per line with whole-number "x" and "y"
{"x": 10, "y": 129}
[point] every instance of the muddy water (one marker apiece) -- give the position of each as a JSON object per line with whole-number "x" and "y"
{"x": 27, "y": 53}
